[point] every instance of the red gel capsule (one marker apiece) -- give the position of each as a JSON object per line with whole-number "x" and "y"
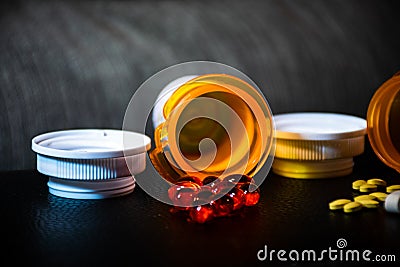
{"x": 184, "y": 197}
{"x": 252, "y": 194}
{"x": 201, "y": 214}
{"x": 203, "y": 196}
{"x": 182, "y": 193}
{"x": 223, "y": 187}
{"x": 222, "y": 206}
{"x": 238, "y": 197}
{"x": 252, "y": 198}
{"x": 232, "y": 181}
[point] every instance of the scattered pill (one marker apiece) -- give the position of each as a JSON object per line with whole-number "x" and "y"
{"x": 379, "y": 196}
{"x": 375, "y": 188}
{"x": 364, "y": 197}
{"x": 212, "y": 197}
{"x": 223, "y": 205}
{"x": 239, "y": 198}
{"x": 392, "y": 188}
{"x": 376, "y": 181}
{"x": 251, "y": 193}
{"x": 182, "y": 193}
{"x": 201, "y": 214}
{"x": 369, "y": 203}
{"x": 366, "y": 188}
{"x": 352, "y": 207}
{"x": 356, "y": 184}
{"x": 338, "y": 204}
{"x": 204, "y": 195}
{"x": 252, "y": 198}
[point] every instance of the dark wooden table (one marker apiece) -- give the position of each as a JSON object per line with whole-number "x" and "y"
{"x": 41, "y": 229}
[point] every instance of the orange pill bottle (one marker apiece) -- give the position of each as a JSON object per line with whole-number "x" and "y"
{"x": 383, "y": 122}
{"x": 211, "y": 125}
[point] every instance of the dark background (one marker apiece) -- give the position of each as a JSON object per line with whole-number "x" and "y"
{"x": 70, "y": 64}
{"x": 76, "y": 64}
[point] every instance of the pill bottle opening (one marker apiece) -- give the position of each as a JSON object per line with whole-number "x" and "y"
{"x": 215, "y": 124}
{"x": 383, "y": 119}
{"x": 201, "y": 137}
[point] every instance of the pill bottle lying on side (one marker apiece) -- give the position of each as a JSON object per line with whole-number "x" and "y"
{"x": 383, "y": 120}
{"x": 210, "y": 124}
{"x": 213, "y": 124}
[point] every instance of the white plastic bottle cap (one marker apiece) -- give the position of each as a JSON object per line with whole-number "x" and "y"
{"x": 310, "y": 144}
{"x": 90, "y": 158}
{"x": 392, "y": 202}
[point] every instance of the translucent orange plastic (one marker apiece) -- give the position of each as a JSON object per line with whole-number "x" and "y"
{"x": 209, "y": 99}
{"x": 383, "y": 120}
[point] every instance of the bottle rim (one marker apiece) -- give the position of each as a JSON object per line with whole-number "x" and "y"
{"x": 254, "y": 96}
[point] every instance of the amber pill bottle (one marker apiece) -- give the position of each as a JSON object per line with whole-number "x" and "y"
{"x": 383, "y": 122}
{"x": 211, "y": 125}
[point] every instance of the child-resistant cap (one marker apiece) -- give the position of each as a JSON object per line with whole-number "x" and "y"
{"x": 315, "y": 144}
{"x": 81, "y": 163}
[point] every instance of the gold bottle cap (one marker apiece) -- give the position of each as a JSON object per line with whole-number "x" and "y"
{"x": 317, "y": 144}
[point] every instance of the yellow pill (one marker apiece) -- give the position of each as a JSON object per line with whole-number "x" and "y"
{"x": 376, "y": 181}
{"x": 369, "y": 203}
{"x": 365, "y": 188}
{"x": 352, "y": 207}
{"x": 356, "y": 184}
{"x": 379, "y": 196}
{"x": 393, "y": 188}
{"x": 364, "y": 197}
{"x": 338, "y": 204}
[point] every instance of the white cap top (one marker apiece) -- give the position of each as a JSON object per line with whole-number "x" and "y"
{"x": 90, "y": 143}
{"x": 318, "y": 126}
